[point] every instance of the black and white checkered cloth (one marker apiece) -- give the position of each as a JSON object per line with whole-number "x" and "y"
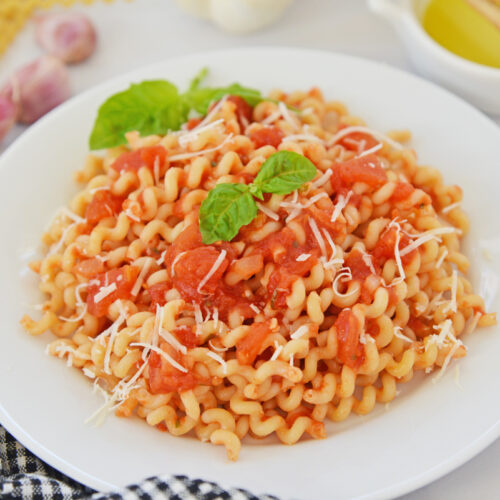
{"x": 23, "y": 476}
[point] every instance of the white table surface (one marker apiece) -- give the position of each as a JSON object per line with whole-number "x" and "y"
{"x": 145, "y": 31}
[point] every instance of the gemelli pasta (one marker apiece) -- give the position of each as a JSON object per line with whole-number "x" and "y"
{"x": 326, "y": 298}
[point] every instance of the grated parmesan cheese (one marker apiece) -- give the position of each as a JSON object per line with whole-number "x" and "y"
{"x": 163, "y": 354}
{"x": 451, "y": 207}
{"x": 186, "y": 156}
{"x": 317, "y": 235}
{"x": 287, "y": 116}
{"x": 440, "y": 261}
{"x": 177, "y": 258}
{"x": 397, "y": 256}
{"x": 254, "y": 308}
{"x": 78, "y": 318}
{"x": 374, "y": 149}
{"x": 300, "y": 332}
{"x": 140, "y": 279}
{"x": 218, "y": 262}
{"x": 303, "y": 137}
{"x": 268, "y": 211}
{"x": 198, "y": 317}
{"x": 340, "y": 205}
{"x": 161, "y": 260}
{"x": 168, "y": 337}
{"x": 303, "y": 257}
{"x": 277, "y": 351}
{"x": 193, "y": 134}
{"x": 219, "y": 359}
{"x": 104, "y": 291}
{"x": 357, "y": 128}
{"x": 397, "y": 333}
{"x": 322, "y": 180}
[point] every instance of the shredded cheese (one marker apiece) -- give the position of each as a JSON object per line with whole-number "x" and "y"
{"x": 287, "y": 116}
{"x": 77, "y": 318}
{"x": 277, "y": 351}
{"x": 271, "y": 118}
{"x": 198, "y": 317}
{"x": 372, "y": 150}
{"x": 377, "y": 135}
{"x": 218, "y": 349}
{"x": 317, "y": 235}
{"x": 130, "y": 215}
{"x": 193, "y": 134}
{"x": 303, "y": 137}
{"x": 397, "y": 333}
{"x": 454, "y": 285}
{"x": 219, "y": 359}
{"x": 300, "y": 332}
{"x": 218, "y": 262}
{"x": 443, "y": 255}
{"x": 451, "y": 207}
{"x": 397, "y": 256}
{"x": 163, "y": 354}
{"x": 340, "y": 205}
{"x": 104, "y": 291}
{"x": 177, "y": 258}
{"x": 303, "y": 257}
{"x": 322, "y": 180}
{"x": 186, "y": 156}
{"x": 168, "y": 337}
{"x": 140, "y": 279}
{"x": 254, "y": 308}
{"x": 268, "y": 211}
{"x": 446, "y": 362}
{"x": 161, "y": 260}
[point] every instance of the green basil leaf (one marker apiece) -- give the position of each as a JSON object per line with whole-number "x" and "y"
{"x": 284, "y": 172}
{"x": 200, "y": 99}
{"x": 199, "y": 77}
{"x": 150, "y": 107}
{"x": 226, "y": 208}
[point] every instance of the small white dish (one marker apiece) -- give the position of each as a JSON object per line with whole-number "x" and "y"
{"x": 428, "y": 430}
{"x": 477, "y": 83}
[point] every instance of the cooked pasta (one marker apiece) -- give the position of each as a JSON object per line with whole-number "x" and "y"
{"x": 318, "y": 308}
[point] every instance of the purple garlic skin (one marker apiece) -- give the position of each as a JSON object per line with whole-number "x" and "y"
{"x": 8, "y": 113}
{"x": 37, "y": 88}
{"x": 70, "y": 36}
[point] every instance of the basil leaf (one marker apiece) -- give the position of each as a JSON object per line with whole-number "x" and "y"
{"x": 284, "y": 172}
{"x": 226, "y": 208}
{"x": 200, "y": 99}
{"x": 196, "y": 81}
{"x": 150, "y": 107}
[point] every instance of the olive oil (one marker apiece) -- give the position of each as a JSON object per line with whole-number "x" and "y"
{"x": 461, "y": 29}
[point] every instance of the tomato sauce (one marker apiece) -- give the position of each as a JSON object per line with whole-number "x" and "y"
{"x": 402, "y": 191}
{"x": 366, "y": 169}
{"x": 350, "y": 350}
{"x": 103, "y": 205}
{"x": 157, "y": 293}
{"x": 355, "y": 140}
{"x": 123, "y": 277}
{"x": 385, "y": 247}
{"x": 249, "y": 346}
{"x": 143, "y": 157}
{"x": 267, "y": 136}
{"x": 359, "y": 269}
{"x": 164, "y": 378}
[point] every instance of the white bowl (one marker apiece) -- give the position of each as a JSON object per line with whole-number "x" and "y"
{"x": 479, "y": 84}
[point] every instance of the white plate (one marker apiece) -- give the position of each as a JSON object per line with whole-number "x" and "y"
{"x": 429, "y": 430}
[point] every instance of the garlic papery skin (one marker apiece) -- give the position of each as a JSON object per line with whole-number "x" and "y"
{"x": 69, "y": 36}
{"x": 237, "y": 16}
{"x": 38, "y": 87}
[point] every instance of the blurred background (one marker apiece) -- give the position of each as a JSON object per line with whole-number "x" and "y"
{"x": 134, "y": 33}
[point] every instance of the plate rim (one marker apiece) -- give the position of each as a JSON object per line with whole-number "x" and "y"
{"x": 393, "y": 490}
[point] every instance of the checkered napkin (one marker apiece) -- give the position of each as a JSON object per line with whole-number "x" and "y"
{"x": 25, "y": 477}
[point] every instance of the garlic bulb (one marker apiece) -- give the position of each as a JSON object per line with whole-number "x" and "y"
{"x": 237, "y": 16}
{"x": 67, "y": 35}
{"x": 8, "y": 112}
{"x": 37, "y": 88}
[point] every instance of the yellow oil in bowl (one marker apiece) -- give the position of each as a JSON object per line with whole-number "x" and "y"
{"x": 461, "y": 29}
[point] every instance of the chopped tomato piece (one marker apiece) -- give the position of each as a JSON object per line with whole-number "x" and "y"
{"x": 142, "y": 157}
{"x": 267, "y": 136}
{"x": 90, "y": 267}
{"x": 164, "y": 377}
{"x": 193, "y": 266}
{"x": 249, "y": 346}
{"x": 193, "y": 122}
{"x": 359, "y": 268}
{"x": 123, "y": 279}
{"x": 244, "y": 111}
{"x": 402, "y": 191}
{"x": 386, "y": 245}
{"x": 357, "y": 140}
{"x": 157, "y": 293}
{"x": 186, "y": 336}
{"x": 350, "y": 350}
{"x": 365, "y": 169}
{"x": 103, "y": 205}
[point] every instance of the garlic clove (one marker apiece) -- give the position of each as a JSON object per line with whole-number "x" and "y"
{"x": 38, "y": 87}
{"x": 70, "y": 36}
{"x": 244, "y": 16}
{"x": 8, "y": 113}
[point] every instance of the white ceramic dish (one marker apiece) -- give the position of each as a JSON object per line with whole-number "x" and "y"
{"x": 429, "y": 430}
{"x": 477, "y": 83}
